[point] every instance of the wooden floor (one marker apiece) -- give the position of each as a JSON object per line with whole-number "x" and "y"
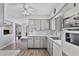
{"x": 33, "y": 52}
{"x": 26, "y": 52}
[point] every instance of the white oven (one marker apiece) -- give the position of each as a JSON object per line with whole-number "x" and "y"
{"x": 72, "y": 38}
{"x": 70, "y": 42}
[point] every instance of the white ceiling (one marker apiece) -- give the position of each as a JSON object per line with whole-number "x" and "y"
{"x": 14, "y": 10}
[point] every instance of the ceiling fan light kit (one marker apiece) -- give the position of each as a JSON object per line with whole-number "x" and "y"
{"x": 27, "y": 9}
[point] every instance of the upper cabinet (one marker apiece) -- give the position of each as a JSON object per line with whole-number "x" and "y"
{"x": 34, "y": 25}
{"x": 52, "y": 24}
{"x": 44, "y": 24}
{"x": 38, "y": 25}
{"x": 1, "y": 14}
{"x": 57, "y": 23}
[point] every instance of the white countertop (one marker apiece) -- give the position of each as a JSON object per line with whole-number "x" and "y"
{"x": 49, "y": 36}
{"x": 24, "y": 37}
{"x": 37, "y": 35}
{"x": 57, "y": 42}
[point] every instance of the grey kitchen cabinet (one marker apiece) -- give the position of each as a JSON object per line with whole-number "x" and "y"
{"x": 53, "y": 48}
{"x": 59, "y": 23}
{"x": 52, "y": 24}
{"x": 44, "y": 25}
{"x": 50, "y": 46}
{"x": 43, "y": 42}
{"x": 37, "y": 42}
{"x": 1, "y": 14}
{"x": 38, "y": 25}
{"x": 30, "y": 42}
{"x": 56, "y": 50}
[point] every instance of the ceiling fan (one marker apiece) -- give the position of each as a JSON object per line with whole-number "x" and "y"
{"x": 27, "y": 9}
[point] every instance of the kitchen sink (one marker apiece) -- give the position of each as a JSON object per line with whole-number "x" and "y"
{"x": 55, "y": 38}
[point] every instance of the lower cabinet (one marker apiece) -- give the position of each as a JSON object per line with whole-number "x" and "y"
{"x": 37, "y": 42}
{"x": 43, "y": 42}
{"x": 53, "y": 48}
{"x": 50, "y": 47}
{"x": 57, "y": 50}
{"x": 30, "y": 42}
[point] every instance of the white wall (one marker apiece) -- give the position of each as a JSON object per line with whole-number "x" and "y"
{"x": 5, "y": 40}
{"x": 1, "y": 14}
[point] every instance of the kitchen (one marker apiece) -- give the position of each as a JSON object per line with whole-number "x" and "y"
{"x": 39, "y": 27}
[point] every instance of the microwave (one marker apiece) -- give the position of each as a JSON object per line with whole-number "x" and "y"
{"x": 72, "y": 38}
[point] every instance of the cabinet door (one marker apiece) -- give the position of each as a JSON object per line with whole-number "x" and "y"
{"x": 44, "y": 42}
{"x": 56, "y": 50}
{"x": 1, "y": 14}
{"x": 41, "y": 42}
{"x": 36, "y": 42}
{"x": 53, "y": 24}
{"x": 48, "y": 46}
{"x": 37, "y": 24}
{"x": 30, "y": 42}
{"x": 44, "y": 25}
{"x": 51, "y": 48}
